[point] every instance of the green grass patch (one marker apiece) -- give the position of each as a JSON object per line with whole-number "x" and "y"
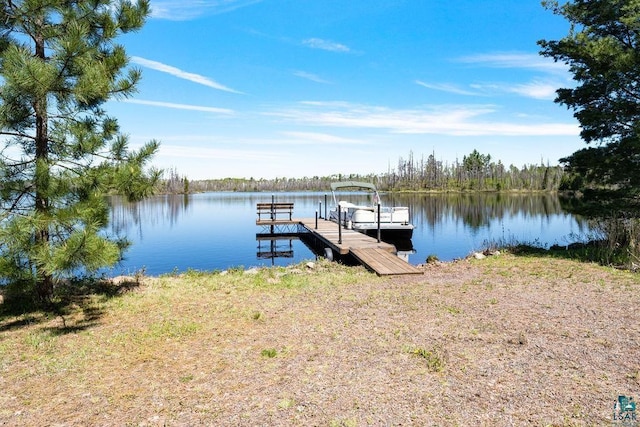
{"x": 269, "y": 353}
{"x": 433, "y": 356}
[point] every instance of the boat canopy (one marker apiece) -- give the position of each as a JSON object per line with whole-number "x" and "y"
{"x": 346, "y": 184}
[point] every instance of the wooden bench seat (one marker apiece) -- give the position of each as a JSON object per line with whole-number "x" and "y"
{"x": 274, "y": 211}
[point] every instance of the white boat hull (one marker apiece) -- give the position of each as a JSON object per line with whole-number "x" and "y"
{"x": 393, "y": 222}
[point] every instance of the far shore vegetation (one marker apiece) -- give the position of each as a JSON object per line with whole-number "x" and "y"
{"x": 476, "y": 172}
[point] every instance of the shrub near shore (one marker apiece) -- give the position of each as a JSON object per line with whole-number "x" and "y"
{"x": 508, "y": 340}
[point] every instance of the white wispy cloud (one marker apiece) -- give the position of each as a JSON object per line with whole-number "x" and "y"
{"x": 536, "y": 90}
{"x": 184, "y": 10}
{"x": 529, "y": 61}
{"x": 448, "y": 87}
{"x": 453, "y": 120}
{"x": 550, "y": 76}
{"x": 310, "y": 76}
{"x": 285, "y": 138}
{"x": 185, "y": 75}
{"x": 316, "y": 43}
{"x": 215, "y": 110}
{"x": 203, "y": 152}
{"x": 320, "y": 138}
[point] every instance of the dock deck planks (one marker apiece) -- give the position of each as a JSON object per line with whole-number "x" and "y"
{"x": 382, "y": 262}
{"x": 379, "y": 257}
{"x": 327, "y": 231}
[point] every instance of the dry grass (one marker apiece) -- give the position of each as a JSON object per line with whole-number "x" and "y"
{"x": 497, "y": 342}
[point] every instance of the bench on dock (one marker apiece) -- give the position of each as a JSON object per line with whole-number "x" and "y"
{"x": 274, "y": 211}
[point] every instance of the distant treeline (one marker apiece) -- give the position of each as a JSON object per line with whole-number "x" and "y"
{"x": 476, "y": 172}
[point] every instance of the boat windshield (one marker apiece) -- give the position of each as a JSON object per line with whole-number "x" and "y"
{"x": 355, "y": 185}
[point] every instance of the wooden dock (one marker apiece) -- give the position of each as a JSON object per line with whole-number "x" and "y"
{"x": 277, "y": 218}
{"x": 379, "y": 257}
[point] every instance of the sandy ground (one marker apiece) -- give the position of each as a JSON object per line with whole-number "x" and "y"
{"x": 505, "y": 341}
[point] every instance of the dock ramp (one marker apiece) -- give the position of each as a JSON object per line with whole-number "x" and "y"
{"x": 384, "y": 263}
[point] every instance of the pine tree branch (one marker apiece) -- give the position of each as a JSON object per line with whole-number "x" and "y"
{"x": 25, "y": 191}
{"x": 17, "y": 135}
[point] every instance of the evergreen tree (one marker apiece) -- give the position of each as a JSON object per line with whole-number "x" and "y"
{"x": 60, "y": 152}
{"x": 602, "y": 50}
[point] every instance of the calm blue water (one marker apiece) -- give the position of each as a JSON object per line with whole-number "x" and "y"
{"x": 216, "y": 231}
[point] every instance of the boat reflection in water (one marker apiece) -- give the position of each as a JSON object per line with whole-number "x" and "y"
{"x": 404, "y": 247}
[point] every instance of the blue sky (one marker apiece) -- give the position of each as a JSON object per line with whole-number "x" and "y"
{"x": 293, "y": 88}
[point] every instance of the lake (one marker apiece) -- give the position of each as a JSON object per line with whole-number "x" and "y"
{"x": 217, "y": 231}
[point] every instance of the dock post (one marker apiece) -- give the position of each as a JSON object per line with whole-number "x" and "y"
{"x": 339, "y": 225}
{"x": 325, "y": 207}
{"x": 319, "y": 210}
{"x": 316, "y": 220}
{"x": 273, "y": 207}
{"x": 379, "y": 223}
{"x": 273, "y": 213}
